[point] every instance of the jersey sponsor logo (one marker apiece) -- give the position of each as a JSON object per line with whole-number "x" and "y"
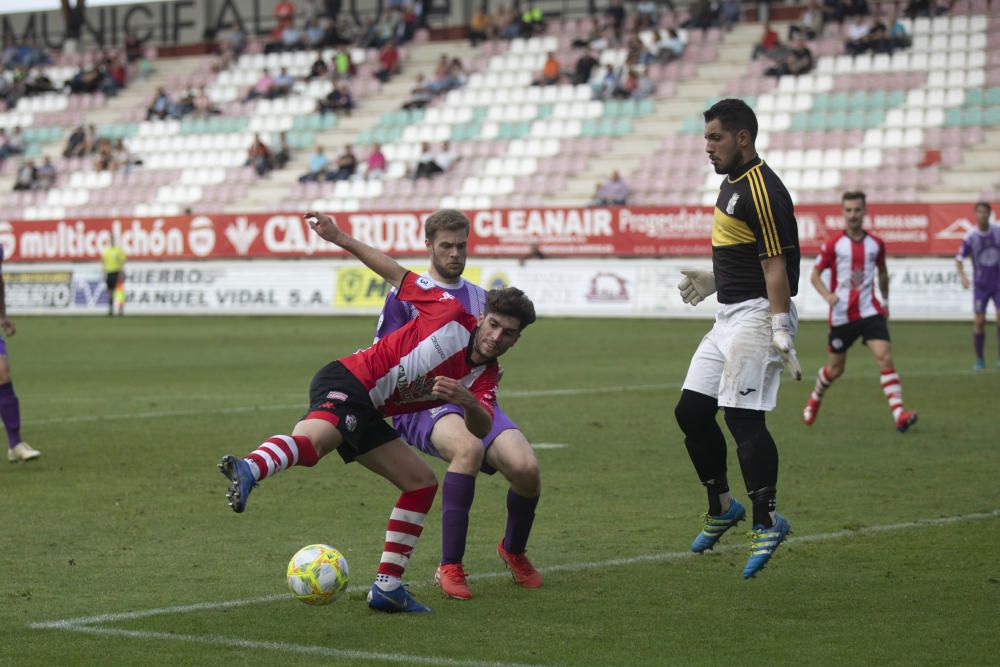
{"x": 351, "y": 422}
{"x": 731, "y": 206}
{"x": 425, "y": 283}
{"x": 417, "y": 390}
{"x": 445, "y": 296}
{"x": 337, "y": 396}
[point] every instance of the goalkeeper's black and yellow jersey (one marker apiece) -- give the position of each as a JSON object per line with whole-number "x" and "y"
{"x": 754, "y": 220}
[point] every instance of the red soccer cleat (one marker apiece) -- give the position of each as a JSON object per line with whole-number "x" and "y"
{"x": 905, "y": 421}
{"x": 811, "y": 411}
{"x": 524, "y": 573}
{"x": 451, "y": 579}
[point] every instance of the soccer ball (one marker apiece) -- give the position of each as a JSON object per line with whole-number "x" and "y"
{"x": 317, "y": 574}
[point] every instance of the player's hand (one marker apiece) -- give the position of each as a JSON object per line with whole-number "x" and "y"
{"x": 696, "y": 285}
{"x": 451, "y": 390}
{"x": 325, "y": 226}
{"x": 965, "y": 281}
{"x": 8, "y": 327}
{"x": 832, "y": 299}
{"x": 784, "y": 342}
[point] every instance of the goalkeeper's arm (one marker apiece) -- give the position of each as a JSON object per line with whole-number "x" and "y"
{"x": 779, "y": 294}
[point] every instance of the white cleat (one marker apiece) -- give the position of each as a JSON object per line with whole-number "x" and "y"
{"x": 22, "y": 452}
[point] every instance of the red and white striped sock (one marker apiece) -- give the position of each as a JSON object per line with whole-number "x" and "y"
{"x": 823, "y": 383}
{"x": 893, "y": 391}
{"x": 280, "y": 452}
{"x": 405, "y": 525}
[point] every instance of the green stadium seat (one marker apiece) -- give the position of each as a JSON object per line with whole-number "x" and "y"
{"x": 974, "y": 97}
{"x": 857, "y": 100}
{"x": 365, "y": 136}
{"x": 856, "y": 120}
{"x": 645, "y": 107}
{"x": 800, "y": 121}
{"x": 992, "y": 116}
{"x": 992, "y": 96}
{"x": 953, "y": 118}
{"x": 972, "y": 116}
{"x": 877, "y": 99}
{"x": 874, "y": 119}
{"x": 896, "y": 98}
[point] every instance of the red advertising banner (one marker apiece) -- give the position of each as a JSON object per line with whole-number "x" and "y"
{"x": 908, "y": 229}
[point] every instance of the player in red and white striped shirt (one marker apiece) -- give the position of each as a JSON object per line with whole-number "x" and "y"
{"x": 853, "y": 259}
{"x": 444, "y": 356}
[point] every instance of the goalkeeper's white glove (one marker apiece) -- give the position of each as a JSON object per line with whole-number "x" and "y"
{"x": 696, "y": 285}
{"x": 781, "y": 338}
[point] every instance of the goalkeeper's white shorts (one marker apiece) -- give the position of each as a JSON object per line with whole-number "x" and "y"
{"x": 736, "y": 362}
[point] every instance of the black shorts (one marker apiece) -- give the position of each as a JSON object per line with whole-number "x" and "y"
{"x": 111, "y": 281}
{"x": 870, "y": 328}
{"x": 336, "y": 396}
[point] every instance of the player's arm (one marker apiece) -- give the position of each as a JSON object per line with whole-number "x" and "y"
{"x": 960, "y": 267}
{"x": 817, "y": 281}
{"x": 376, "y": 260}
{"x": 478, "y": 419}
{"x": 5, "y": 323}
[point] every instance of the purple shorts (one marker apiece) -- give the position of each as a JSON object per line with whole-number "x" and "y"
{"x": 416, "y": 428}
{"x": 981, "y": 298}
{"x": 3, "y": 347}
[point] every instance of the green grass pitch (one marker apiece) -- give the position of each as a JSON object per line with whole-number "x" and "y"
{"x": 123, "y": 522}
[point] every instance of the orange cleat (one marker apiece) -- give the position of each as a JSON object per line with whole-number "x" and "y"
{"x": 905, "y": 421}
{"x": 524, "y": 573}
{"x": 451, "y": 579}
{"x": 811, "y": 411}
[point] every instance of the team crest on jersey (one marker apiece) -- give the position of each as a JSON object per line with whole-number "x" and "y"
{"x": 731, "y": 206}
{"x": 351, "y": 422}
{"x": 337, "y": 396}
{"x": 423, "y": 282}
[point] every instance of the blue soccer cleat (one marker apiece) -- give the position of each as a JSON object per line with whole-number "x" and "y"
{"x": 763, "y": 542}
{"x": 980, "y": 364}
{"x": 242, "y": 481}
{"x": 715, "y": 526}
{"x": 394, "y": 601}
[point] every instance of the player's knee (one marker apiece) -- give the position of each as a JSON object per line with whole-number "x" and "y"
{"x": 745, "y": 425}
{"x": 468, "y": 455}
{"x": 694, "y": 409}
{"x": 524, "y": 475}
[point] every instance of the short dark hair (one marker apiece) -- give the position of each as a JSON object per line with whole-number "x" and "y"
{"x": 512, "y": 302}
{"x": 986, "y": 204}
{"x": 734, "y": 115}
{"x": 855, "y": 194}
{"x": 445, "y": 219}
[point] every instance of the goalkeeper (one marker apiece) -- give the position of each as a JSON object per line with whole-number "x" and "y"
{"x": 755, "y": 271}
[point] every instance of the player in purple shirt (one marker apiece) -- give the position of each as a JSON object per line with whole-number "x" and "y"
{"x": 10, "y": 408}
{"x": 441, "y": 431}
{"x": 982, "y": 244}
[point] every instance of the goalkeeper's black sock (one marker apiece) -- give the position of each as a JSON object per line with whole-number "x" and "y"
{"x": 718, "y": 495}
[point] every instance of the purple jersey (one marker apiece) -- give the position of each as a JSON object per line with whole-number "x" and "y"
{"x": 396, "y": 313}
{"x": 984, "y": 249}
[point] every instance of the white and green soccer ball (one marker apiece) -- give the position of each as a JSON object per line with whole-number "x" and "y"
{"x": 318, "y": 574}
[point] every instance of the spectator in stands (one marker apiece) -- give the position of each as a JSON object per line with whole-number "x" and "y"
{"x": 897, "y": 32}
{"x": 184, "y": 105}
{"x": 856, "y": 8}
{"x": 449, "y": 74}
{"x": 626, "y": 85}
{"x": 16, "y": 144}
{"x": 533, "y": 20}
{"x": 234, "y": 42}
{"x": 292, "y": 38}
{"x": 769, "y": 45}
{"x": 281, "y": 85}
{"x": 604, "y": 83}
{"x": 259, "y": 156}
{"x": 319, "y": 68}
{"x": 551, "y": 71}
{"x": 389, "y": 58}
{"x": 284, "y": 152}
{"x": 376, "y": 163}
{"x": 339, "y": 100}
{"x": 730, "y": 13}
{"x": 508, "y": 21}
{"x": 4, "y": 144}
{"x": 644, "y": 87}
{"x": 261, "y": 88}
{"x": 634, "y": 51}
{"x": 585, "y": 67}
{"x": 123, "y": 159}
{"x": 704, "y": 15}
{"x": 833, "y": 11}
{"x": 856, "y": 35}
{"x": 45, "y": 175}
{"x": 25, "y": 178}
{"x": 105, "y": 159}
{"x": 133, "y": 47}
{"x": 616, "y": 15}
{"x": 343, "y": 65}
{"x": 310, "y": 10}
{"x": 430, "y": 163}
{"x": 118, "y": 72}
{"x": 481, "y": 27}
{"x": 91, "y": 140}
{"x": 76, "y": 144}
{"x": 284, "y": 13}
{"x": 647, "y": 14}
{"x": 35, "y": 82}
{"x": 612, "y": 192}
{"x": 420, "y": 95}
{"x": 346, "y": 165}
{"x": 203, "y": 105}
{"x": 798, "y": 60}
{"x": 314, "y": 36}
{"x": 318, "y": 163}
{"x": 670, "y": 46}
{"x": 810, "y": 22}
{"x": 160, "y": 106}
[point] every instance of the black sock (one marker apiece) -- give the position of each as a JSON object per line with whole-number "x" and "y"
{"x": 716, "y": 487}
{"x": 764, "y": 501}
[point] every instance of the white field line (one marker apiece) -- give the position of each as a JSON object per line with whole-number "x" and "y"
{"x": 77, "y": 623}
{"x": 514, "y": 394}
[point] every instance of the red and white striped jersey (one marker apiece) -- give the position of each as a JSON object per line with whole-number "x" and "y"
{"x": 399, "y": 370}
{"x": 852, "y": 267}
